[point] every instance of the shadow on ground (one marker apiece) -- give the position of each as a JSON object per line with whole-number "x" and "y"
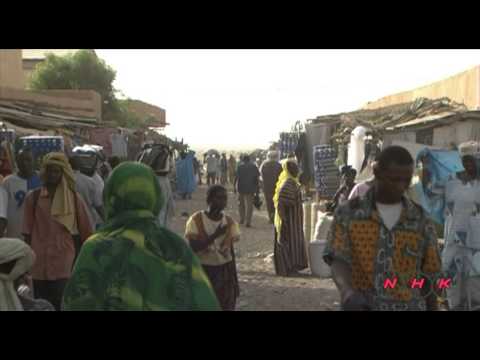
{"x": 285, "y": 298}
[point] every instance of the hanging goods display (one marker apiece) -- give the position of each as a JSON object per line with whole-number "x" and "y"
{"x": 42, "y": 145}
{"x": 288, "y": 144}
{"x": 327, "y": 178}
{"x": 7, "y": 135}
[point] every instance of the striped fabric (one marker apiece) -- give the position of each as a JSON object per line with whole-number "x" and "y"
{"x": 289, "y": 251}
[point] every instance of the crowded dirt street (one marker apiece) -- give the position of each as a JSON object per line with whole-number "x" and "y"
{"x": 239, "y": 180}
{"x": 260, "y": 289}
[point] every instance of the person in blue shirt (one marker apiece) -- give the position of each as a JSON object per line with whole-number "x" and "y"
{"x": 17, "y": 187}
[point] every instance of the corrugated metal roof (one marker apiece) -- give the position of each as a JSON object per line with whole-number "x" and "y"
{"x": 422, "y": 120}
{"x": 436, "y": 117}
{"x": 23, "y": 130}
{"x": 40, "y": 54}
{"x": 31, "y": 118}
{"x": 391, "y": 117}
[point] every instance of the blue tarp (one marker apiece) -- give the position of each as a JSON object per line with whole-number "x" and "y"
{"x": 186, "y": 182}
{"x": 440, "y": 164}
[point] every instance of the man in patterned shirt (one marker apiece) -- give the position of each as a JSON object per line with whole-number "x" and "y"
{"x": 382, "y": 248}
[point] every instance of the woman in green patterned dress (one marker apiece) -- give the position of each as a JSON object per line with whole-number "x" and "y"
{"x": 132, "y": 263}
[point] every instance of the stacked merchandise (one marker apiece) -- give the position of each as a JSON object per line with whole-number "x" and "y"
{"x": 42, "y": 145}
{"x": 87, "y": 158}
{"x": 288, "y": 144}
{"x": 7, "y": 135}
{"x": 327, "y": 178}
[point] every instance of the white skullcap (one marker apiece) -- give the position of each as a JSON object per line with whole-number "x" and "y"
{"x": 471, "y": 148}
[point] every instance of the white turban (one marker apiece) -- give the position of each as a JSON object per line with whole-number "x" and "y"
{"x": 272, "y": 155}
{"x": 471, "y": 148}
{"x": 19, "y": 251}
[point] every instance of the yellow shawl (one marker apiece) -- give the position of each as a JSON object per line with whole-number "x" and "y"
{"x": 63, "y": 204}
{"x": 282, "y": 179}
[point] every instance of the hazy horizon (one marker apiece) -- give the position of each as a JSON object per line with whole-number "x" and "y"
{"x": 242, "y": 99}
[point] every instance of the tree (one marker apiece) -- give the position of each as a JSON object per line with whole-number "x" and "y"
{"x": 82, "y": 70}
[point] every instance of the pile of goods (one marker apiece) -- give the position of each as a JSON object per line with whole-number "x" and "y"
{"x": 327, "y": 177}
{"x": 288, "y": 144}
{"x": 42, "y": 145}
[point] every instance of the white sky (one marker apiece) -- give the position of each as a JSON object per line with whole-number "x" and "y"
{"x": 243, "y": 99}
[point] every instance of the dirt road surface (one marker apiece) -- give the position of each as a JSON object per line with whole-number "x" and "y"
{"x": 260, "y": 288}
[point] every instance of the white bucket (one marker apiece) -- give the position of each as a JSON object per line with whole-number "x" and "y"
{"x": 313, "y": 221}
{"x": 317, "y": 265}
{"x": 307, "y": 221}
{"x": 322, "y": 227}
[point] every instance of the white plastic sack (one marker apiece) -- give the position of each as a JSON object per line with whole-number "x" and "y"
{"x": 356, "y": 151}
{"x": 324, "y": 221}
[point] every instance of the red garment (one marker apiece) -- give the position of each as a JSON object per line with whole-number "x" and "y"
{"x": 51, "y": 241}
{"x": 5, "y": 165}
{"x": 5, "y": 170}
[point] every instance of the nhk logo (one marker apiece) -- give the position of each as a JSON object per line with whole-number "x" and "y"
{"x": 420, "y": 281}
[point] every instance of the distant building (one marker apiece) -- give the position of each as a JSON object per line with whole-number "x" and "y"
{"x": 462, "y": 88}
{"x": 77, "y": 103}
{"x": 16, "y": 67}
{"x": 147, "y": 113}
{"x": 32, "y": 57}
{"x": 11, "y": 74}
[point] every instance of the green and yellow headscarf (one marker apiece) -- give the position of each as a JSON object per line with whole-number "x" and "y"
{"x": 132, "y": 263}
{"x": 131, "y": 192}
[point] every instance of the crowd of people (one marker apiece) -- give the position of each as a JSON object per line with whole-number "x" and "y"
{"x": 72, "y": 239}
{"x": 383, "y": 233}
{"x": 76, "y": 238}
{"x": 380, "y": 232}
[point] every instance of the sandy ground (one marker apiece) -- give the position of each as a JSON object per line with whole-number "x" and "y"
{"x": 260, "y": 288}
